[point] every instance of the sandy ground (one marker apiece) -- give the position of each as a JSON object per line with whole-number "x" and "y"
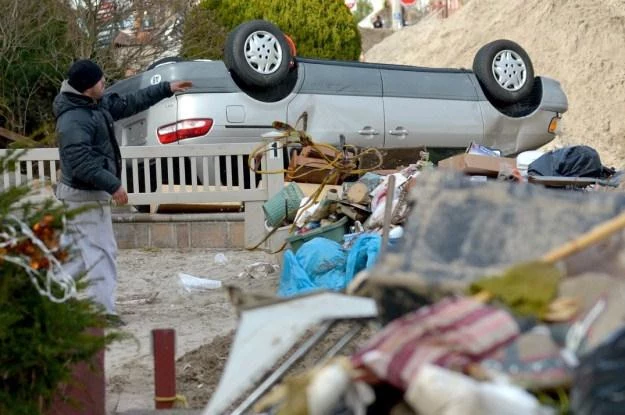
{"x": 197, "y": 318}
{"x": 577, "y": 42}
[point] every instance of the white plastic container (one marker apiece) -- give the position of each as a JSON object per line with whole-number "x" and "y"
{"x": 190, "y": 284}
{"x": 524, "y": 159}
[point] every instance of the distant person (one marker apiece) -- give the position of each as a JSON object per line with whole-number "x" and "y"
{"x": 377, "y": 22}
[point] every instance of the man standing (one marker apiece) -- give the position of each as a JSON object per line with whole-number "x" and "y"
{"x": 377, "y": 22}
{"x": 91, "y": 166}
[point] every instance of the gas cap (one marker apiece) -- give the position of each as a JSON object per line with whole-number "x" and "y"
{"x": 235, "y": 113}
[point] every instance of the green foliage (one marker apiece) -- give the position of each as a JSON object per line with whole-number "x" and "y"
{"x": 320, "y": 28}
{"x": 363, "y": 9}
{"x": 40, "y": 340}
{"x": 204, "y": 37}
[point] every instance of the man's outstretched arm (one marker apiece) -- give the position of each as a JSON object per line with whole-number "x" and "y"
{"x": 123, "y": 106}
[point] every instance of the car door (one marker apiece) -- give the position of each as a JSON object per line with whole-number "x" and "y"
{"x": 340, "y": 98}
{"x": 430, "y": 107}
{"x": 235, "y": 114}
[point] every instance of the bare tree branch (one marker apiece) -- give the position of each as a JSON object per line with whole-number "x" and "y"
{"x": 40, "y": 38}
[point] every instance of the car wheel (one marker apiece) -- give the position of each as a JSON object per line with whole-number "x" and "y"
{"x": 258, "y": 53}
{"x": 163, "y": 61}
{"x": 504, "y": 70}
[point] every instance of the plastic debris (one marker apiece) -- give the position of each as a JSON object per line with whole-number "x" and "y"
{"x": 190, "y": 284}
{"x": 221, "y": 259}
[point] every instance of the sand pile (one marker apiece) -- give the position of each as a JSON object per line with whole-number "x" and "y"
{"x": 577, "y": 42}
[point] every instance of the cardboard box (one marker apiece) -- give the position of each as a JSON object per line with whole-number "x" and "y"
{"x": 308, "y": 170}
{"x": 477, "y": 164}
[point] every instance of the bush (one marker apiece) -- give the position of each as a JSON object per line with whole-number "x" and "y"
{"x": 320, "y": 28}
{"x": 42, "y": 334}
{"x": 363, "y": 9}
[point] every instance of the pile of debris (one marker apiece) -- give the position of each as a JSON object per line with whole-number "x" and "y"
{"x": 353, "y": 214}
{"x": 496, "y": 283}
{"x": 574, "y": 167}
{"x": 340, "y": 228}
{"x": 503, "y": 298}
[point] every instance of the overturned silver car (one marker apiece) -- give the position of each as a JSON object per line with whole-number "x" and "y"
{"x": 500, "y": 103}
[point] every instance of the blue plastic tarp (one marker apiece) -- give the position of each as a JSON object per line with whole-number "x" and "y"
{"x": 323, "y": 264}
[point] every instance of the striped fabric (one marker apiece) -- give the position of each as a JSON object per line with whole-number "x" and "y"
{"x": 451, "y": 333}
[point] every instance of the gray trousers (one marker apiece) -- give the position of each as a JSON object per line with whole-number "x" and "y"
{"x": 91, "y": 234}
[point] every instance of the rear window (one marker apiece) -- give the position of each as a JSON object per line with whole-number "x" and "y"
{"x": 125, "y": 85}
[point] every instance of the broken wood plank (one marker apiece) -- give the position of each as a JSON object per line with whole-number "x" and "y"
{"x": 18, "y": 138}
{"x": 358, "y": 193}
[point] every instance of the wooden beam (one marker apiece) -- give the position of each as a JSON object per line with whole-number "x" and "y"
{"x": 18, "y": 138}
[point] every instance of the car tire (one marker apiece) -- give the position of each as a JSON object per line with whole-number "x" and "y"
{"x": 162, "y": 61}
{"x": 258, "y": 53}
{"x": 504, "y": 71}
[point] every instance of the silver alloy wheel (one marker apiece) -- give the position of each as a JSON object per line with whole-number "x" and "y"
{"x": 509, "y": 70}
{"x": 263, "y": 52}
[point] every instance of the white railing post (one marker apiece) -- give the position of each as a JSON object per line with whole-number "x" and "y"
{"x": 275, "y": 182}
{"x": 255, "y": 229}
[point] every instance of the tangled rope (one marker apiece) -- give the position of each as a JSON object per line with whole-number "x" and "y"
{"x": 345, "y": 162}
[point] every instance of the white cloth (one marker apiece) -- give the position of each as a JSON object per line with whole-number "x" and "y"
{"x": 439, "y": 391}
{"x": 91, "y": 234}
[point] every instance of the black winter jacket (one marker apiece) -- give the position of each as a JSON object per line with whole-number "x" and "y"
{"x": 90, "y": 156}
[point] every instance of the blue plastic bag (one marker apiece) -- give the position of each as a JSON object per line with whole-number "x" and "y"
{"x": 323, "y": 264}
{"x": 362, "y": 255}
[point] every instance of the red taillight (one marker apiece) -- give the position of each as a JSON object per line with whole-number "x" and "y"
{"x": 184, "y": 129}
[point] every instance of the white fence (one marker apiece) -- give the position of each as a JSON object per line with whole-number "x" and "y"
{"x": 209, "y": 173}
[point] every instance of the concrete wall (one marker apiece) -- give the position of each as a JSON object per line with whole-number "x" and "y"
{"x": 137, "y": 231}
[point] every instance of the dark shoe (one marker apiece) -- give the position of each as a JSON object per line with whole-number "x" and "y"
{"x": 113, "y": 320}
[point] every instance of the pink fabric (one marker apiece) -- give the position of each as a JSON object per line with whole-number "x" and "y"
{"x": 452, "y": 333}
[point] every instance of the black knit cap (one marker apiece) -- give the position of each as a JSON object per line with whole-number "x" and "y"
{"x": 83, "y": 74}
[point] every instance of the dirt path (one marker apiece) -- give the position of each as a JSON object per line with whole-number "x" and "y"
{"x": 197, "y": 318}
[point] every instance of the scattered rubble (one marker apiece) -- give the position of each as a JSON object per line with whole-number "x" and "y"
{"x": 479, "y": 283}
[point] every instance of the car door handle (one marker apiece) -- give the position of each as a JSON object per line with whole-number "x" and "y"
{"x": 398, "y": 131}
{"x": 368, "y": 131}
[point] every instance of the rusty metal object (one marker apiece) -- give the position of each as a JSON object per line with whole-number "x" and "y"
{"x": 164, "y": 344}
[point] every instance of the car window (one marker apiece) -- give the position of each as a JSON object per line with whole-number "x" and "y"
{"x": 428, "y": 85}
{"x": 341, "y": 80}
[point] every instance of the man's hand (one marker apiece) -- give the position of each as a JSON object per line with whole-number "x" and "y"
{"x": 180, "y": 86}
{"x": 120, "y": 196}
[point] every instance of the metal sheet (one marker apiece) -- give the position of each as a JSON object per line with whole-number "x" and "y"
{"x": 265, "y": 334}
